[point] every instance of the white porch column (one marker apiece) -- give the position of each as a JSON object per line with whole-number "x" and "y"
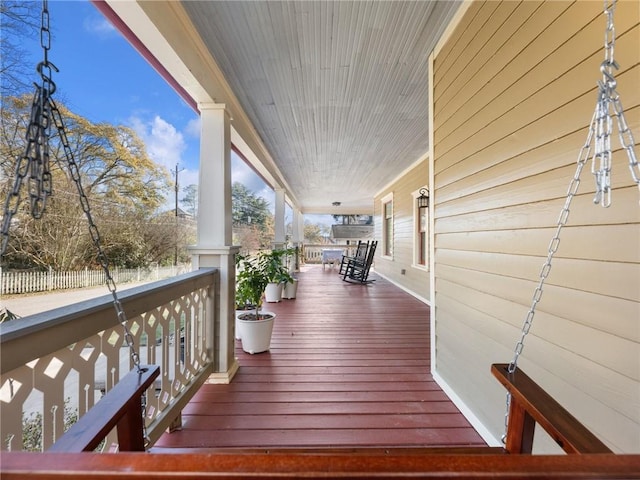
{"x": 214, "y": 247}
{"x": 300, "y": 226}
{"x": 297, "y": 238}
{"x": 279, "y": 240}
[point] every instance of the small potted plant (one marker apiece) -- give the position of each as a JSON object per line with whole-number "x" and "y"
{"x": 254, "y": 325}
{"x": 243, "y": 294}
{"x": 291, "y": 287}
{"x": 275, "y": 269}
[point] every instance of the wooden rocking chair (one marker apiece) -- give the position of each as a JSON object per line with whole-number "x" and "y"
{"x": 361, "y": 255}
{"x": 357, "y": 270}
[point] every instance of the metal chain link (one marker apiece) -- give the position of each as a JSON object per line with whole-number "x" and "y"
{"x": 74, "y": 170}
{"x": 608, "y": 105}
{"x": 583, "y": 156}
{"x": 35, "y": 163}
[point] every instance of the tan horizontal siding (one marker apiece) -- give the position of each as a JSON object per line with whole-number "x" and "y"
{"x": 554, "y": 110}
{"x": 415, "y": 280}
{"x": 582, "y": 307}
{"x": 568, "y": 375}
{"x": 587, "y": 242}
{"x": 514, "y": 92}
{"x": 546, "y": 212}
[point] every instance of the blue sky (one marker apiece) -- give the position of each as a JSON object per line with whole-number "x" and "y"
{"x": 104, "y": 79}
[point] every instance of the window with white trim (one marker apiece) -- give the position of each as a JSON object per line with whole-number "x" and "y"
{"x": 387, "y": 225}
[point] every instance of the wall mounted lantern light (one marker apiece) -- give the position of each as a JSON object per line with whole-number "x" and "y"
{"x": 423, "y": 199}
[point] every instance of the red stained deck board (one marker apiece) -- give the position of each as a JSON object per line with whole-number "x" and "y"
{"x": 332, "y": 397}
{"x": 361, "y": 421}
{"x": 434, "y": 437}
{"x": 261, "y": 386}
{"x": 349, "y": 366}
{"x": 317, "y": 408}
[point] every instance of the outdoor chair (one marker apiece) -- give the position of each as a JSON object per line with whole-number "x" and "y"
{"x": 358, "y": 270}
{"x": 361, "y": 256}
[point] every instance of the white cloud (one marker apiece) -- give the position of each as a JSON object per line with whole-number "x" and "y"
{"x": 165, "y": 144}
{"x": 99, "y": 26}
{"x": 193, "y": 128}
{"x": 242, "y": 173}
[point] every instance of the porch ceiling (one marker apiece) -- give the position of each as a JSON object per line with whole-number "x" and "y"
{"x": 331, "y": 97}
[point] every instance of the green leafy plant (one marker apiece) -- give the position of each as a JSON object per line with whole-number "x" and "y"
{"x": 255, "y": 272}
{"x": 250, "y": 283}
{"x": 32, "y": 427}
{"x": 273, "y": 265}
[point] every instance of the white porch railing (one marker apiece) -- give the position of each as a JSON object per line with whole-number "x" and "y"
{"x": 312, "y": 253}
{"x": 62, "y": 359}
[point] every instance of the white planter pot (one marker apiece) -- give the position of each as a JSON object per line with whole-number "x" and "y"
{"x": 238, "y": 329}
{"x": 290, "y": 289}
{"x": 273, "y": 292}
{"x": 256, "y": 334}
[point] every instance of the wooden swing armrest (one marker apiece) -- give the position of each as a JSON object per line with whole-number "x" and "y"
{"x": 120, "y": 407}
{"x": 530, "y": 404}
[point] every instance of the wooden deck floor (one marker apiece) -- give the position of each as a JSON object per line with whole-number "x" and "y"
{"x": 348, "y": 367}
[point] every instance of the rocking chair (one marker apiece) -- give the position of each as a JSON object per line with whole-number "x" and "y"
{"x": 360, "y": 256}
{"x": 357, "y": 270}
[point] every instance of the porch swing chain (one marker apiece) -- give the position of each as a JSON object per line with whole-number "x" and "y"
{"x": 600, "y": 127}
{"x": 35, "y": 162}
{"x": 608, "y": 106}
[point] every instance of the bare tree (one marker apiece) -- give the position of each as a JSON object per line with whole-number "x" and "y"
{"x": 18, "y": 20}
{"x": 190, "y": 199}
{"x": 123, "y": 186}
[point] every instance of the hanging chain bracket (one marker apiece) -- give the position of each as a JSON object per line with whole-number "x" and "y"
{"x": 608, "y": 107}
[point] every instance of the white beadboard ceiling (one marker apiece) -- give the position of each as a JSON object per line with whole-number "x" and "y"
{"x": 336, "y": 90}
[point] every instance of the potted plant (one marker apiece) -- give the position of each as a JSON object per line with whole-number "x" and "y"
{"x": 274, "y": 268}
{"x": 291, "y": 287}
{"x": 243, "y": 294}
{"x": 254, "y": 326}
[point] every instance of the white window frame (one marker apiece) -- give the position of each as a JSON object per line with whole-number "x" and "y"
{"x": 416, "y": 233}
{"x": 383, "y": 201}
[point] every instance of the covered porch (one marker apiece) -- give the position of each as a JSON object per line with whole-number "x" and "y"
{"x": 510, "y": 90}
{"x": 349, "y": 366}
{"x": 345, "y": 391}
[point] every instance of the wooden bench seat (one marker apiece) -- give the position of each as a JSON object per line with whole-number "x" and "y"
{"x": 120, "y": 408}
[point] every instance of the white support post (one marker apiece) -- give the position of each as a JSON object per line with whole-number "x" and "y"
{"x": 214, "y": 248}
{"x": 301, "y": 228}
{"x": 296, "y": 238}
{"x": 279, "y": 240}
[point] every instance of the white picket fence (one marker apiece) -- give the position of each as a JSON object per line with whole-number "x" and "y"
{"x": 15, "y": 282}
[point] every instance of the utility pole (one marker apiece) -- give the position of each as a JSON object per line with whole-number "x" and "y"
{"x": 175, "y": 255}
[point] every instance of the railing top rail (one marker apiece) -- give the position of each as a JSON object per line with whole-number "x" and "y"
{"x": 67, "y": 321}
{"x": 203, "y": 466}
{"x": 571, "y": 435}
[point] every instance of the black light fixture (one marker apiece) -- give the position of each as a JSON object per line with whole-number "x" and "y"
{"x": 423, "y": 199}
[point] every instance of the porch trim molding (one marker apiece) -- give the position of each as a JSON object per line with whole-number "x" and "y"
{"x": 219, "y": 250}
{"x": 223, "y": 258}
{"x": 405, "y": 289}
{"x": 432, "y": 229}
{"x": 224, "y": 378}
{"x": 475, "y": 422}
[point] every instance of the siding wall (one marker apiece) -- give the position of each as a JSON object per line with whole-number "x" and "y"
{"x": 415, "y": 280}
{"x": 514, "y": 92}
